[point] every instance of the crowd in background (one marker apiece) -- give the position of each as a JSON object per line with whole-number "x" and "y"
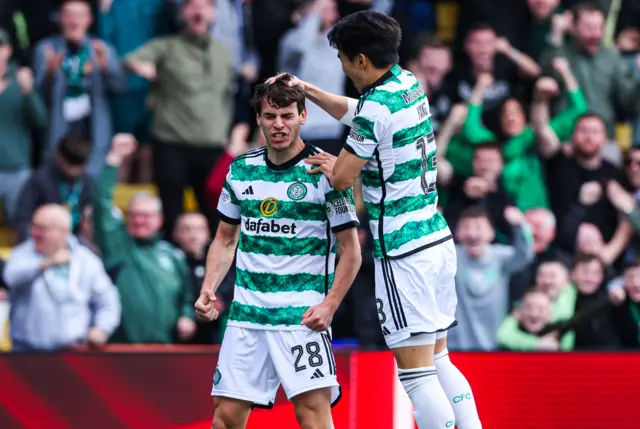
{"x": 525, "y": 100}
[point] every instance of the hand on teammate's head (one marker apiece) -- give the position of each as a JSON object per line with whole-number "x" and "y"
{"x": 289, "y": 79}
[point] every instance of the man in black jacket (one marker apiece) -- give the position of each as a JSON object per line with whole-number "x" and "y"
{"x": 62, "y": 180}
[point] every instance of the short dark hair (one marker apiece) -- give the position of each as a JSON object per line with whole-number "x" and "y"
{"x": 586, "y": 258}
{"x": 74, "y": 148}
{"x": 586, "y": 6}
{"x": 479, "y": 26}
{"x": 489, "y": 145}
{"x": 372, "y": 34}
{"x": 589, "y": 115}
{"x": 278, "y": 94}
{"x": 474, "y": 212}
{"x": 86, "y": 2}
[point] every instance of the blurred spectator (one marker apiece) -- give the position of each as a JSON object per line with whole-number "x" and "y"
{"x": 598, "y": 330}
{"x": 85, "y": 230}
{"x": 21, "y": 108}
{"x": 271, "y": 20}
{"x": 75, "y": 72}
{"x": 530, "y": 320}
{"x": 482, "y": 281}
{"x": 62, "y": 180}
{"x": 627, "y": 314}
{"x": 602, "y": 73}
{"x": 583, "y": 172}
{"x": 523, "y": 177}
{"x": 151, "y": 275}
{"x": 539, "y": 29}
{"x": 488, "y": 53}
{"x": 627, "y": 204}
{"x": 8, "y": 11}
{"x": 192, "y": 102}
{"x": 143, "y": 20}
{"x": 432, "y": 63}
{"x": 305, "y": 52}
{"x": 193, "y": 236}
{"x": 543, "y": 228}
{"x": 60, "y": 294}
{"x": 552, "y": 279}
{"x": 237, "y": 146}
{"x": 484, "y": 188}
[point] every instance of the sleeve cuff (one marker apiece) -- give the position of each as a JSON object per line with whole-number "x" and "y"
{"x": 352, "y": 105}
{"x": 350, "y": 149}
{"x": 345, "y": 226}
{"x": 228, "y": 219}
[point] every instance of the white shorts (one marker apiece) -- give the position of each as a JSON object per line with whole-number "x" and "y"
{"x": 416, "y": 295}
{"x": 253, "y": 363}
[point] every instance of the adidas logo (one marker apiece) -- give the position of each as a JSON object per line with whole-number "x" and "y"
{"x": 248, "y": 191}
{"x": 317, "y": 374}
{"x": 385, "y": 331}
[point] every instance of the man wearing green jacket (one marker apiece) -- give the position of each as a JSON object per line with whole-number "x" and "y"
{"x": 151, "y": 275}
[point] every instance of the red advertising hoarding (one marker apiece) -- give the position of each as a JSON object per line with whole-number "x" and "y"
{"x": 171, "y": 391}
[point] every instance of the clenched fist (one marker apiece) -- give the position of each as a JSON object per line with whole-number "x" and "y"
{"x": 122, "y": 146}
{"x": 24, "y": 77}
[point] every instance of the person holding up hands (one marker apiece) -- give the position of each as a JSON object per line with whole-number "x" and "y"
{"x": 75, "y": 72}
{"x": 151, "y": 275}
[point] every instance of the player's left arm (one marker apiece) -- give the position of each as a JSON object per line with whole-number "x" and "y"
{"x": 341, "y": 214}
{"x": 366, "y": 132}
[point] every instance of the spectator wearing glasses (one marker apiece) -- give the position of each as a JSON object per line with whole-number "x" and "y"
{"x": 152, "y": 276}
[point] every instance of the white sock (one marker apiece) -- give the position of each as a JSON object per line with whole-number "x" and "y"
{"x": 458, "y": 392}
{"x": 432, "y": 409}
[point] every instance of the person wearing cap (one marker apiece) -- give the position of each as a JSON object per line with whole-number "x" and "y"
{"x": 21, "y": 108}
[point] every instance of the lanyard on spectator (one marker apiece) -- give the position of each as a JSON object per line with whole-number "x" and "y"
{"x": 70, "y": 198}
{"x": 75, "y": 66}
{"x": 635, "y": 313}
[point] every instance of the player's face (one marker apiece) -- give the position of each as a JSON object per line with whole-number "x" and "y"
{"x": 475, "y": 233}
{"x": 353, "y": 70}
{"x": 551, "y": 278}
{"x": 281, "y": 125}
{"x": 588, "y": 277}
{"x": 535, "y": 312}
{"x": 632, "y": 283}
{"x": 589, "y": 30}
{"x": 589, "y": 137}
{"x": 512, "y": 118}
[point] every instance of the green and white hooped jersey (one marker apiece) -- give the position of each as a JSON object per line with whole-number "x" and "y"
{"x": 392, "y": 130}
{"x": 286, "y": 251}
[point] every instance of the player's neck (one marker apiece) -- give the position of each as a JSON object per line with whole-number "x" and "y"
{"x": 373, "y": 75}
{"x": 280, "y": 157}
